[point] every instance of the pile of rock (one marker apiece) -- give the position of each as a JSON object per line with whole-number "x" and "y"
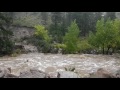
{"x": 33, "y": 73}
{"x": 25, "y": 48}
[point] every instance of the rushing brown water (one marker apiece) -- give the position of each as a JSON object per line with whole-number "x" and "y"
{"x": 51, "y": 63}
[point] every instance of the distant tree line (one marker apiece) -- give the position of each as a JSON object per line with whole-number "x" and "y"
{"x": 73, "y": 32}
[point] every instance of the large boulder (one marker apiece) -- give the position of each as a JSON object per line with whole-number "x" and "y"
{"x": 30, "y": 48}
{"x": 18, "y": 46}
{"x": 25, "y": 48}
{"x": 117, "y": 73}
{"x": 6, "y": 73}
{"x": 67, "y": 74}
{"x": 33, "y": 73}
{"x": 102, "y": 73}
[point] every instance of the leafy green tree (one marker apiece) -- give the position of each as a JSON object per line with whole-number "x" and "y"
{"x": 99, "y": 39}
{"x": 58, "y": 27}
{"x": 71, "y": 38}
{"x": 84, "y": 46}
{"x": 42, "y": 33}
{"x": 42, "y": 39}
{"x": 115, "y": 40}
{"x": 107, "y": 34}
{"x": 86, "y": 20}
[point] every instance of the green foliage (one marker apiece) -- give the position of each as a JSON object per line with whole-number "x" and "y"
{"x": 110, "y": 15}
{"x": 26, "y": 20}
{"x": 6, "y": 44}
{"x": 70, "y": 68}
{"x": 91, "y": 39}
{"x": 58, "y": 46}
{"x": 116, "y": 35}
{"x": 86, "y": 20}
{"x": 84, "y": 46}
{"x": 56, "y": 32}
{"x": 42, "y": 39}
{"x": 42, "y": 33}
{"x": 16, "y": 52}
{"x": 45, "y": 47}
{"x": 107, "y": 34}
{"x": 71, "y": 38}
{"x": 59, "y": 26}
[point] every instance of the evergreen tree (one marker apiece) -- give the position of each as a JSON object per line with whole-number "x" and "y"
{"x": 6, "y": 44}
{"x": 71, "y": 38}
{"x": 110, "y": 15}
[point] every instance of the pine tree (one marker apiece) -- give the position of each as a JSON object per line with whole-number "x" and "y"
{"x": 71, "y": 38}
{"x": 6, "y": 44}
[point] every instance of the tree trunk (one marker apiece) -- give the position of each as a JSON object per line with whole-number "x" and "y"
{"x": 108, "y": 50}
{"x": 103, "y": 48}
{"x": 113, "y": 50}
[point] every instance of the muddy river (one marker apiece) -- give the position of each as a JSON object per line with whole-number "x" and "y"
{"x": 52, "y": 63}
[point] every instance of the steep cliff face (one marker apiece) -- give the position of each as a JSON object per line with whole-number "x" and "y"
{"x": 23, "y": 22}
{"x": 22, "y": 31}
{"x": 31, "y": 18}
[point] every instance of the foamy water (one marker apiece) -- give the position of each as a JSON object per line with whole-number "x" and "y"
{"x": 50, "y": 63}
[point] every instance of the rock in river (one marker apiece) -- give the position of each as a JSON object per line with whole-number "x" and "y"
{"x": 102, "y": 73}
{"x": 67, "y": 74}
{"x": 33, "y": 73}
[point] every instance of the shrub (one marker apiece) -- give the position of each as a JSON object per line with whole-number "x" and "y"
{"x": 84, "y": 46}
{"x": 42, "y": 39}
{"x": 62, "y": 46}
{"x": 42, "y": 33}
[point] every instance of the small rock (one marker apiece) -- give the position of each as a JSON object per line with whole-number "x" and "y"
{"x": 67, "y": 74}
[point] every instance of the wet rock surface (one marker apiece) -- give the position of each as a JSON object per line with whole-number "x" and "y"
{"x": 67, "y": 74}
{"x": 102, "y": 73}
{"x": 117, "y": 74}
{"x": 34, "y": 73}
{"x": 6, "y": 73}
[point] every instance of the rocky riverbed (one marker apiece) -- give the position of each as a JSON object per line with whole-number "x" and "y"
{"x": 53, "y": 63}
